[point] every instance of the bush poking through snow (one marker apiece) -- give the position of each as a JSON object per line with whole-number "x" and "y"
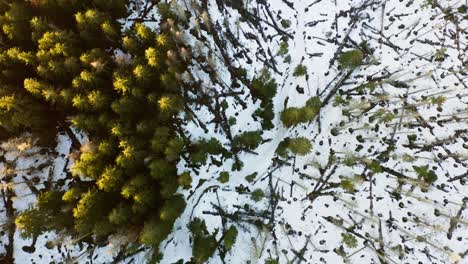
{"x": 247, "y": 141}
{"x": 204, "y": 244}
{"x": 293, "y": 116}
{"x": 286, "y": 23}
{"x": 349, "y": 240}
{"x": 223, "y": 177}
{"x": 426, "y": 174}
{"x": 257, "y": 195}
{"x": 283, "y": 48}
{"x": 300, "y": 146}
{"x": 350, "y": 59}
{"x": 264, "y": 87}
{"x": 300, "y": 70}
{"x": 230, "y": 238}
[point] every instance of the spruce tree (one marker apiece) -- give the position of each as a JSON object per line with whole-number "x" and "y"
{"x": 72, "y": 64}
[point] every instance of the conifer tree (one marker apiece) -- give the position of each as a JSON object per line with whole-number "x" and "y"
{"x": 248, "y": 140}
{"x": 204, "y": 243}
{"x": 71, "y": 64}
{"x": 294, "y": 115}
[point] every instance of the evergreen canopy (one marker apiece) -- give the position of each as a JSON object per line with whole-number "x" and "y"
{"x": 71, "y": 64}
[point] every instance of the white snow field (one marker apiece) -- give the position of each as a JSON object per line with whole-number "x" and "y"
{"x": 333, "y": 205}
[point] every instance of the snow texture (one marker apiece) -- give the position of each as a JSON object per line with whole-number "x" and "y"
{"x": 304, "y": 227}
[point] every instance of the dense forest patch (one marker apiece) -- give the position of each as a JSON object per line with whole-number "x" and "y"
{"x": 233, "y": 131}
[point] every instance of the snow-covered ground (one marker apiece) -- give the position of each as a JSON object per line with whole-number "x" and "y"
{"x": 393, "y": 217}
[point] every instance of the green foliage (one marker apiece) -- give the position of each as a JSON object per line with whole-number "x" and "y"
{"x": 212, "y": 146}
{"x": 92, "y": 208}
{"x": 110, "y": 180}
{"x": 201, "y": 149}
{"x": 286, "y": 23}
{"x": 293, "y": 116}
{"x": 412, "y": 138}
{"x": 272, "y": 261}
{"x": 93, "y": 160}
{"x": 199, "y": 157}
{"x": 19, "y": 113}
{"x": 31, "y": 223}
{"x": 257, "y": 195}
{"x": 247, "y": 140}
{"x": 462, "y": 9}
{"x": 251, "y": 177}
{"x": 388, "y": 117}
{"x": 425, "y": 173}
{"x": 161, "y": 169}
{"x": 266, "y": 114}
{"x": 223, "y": 177}
{"x": 7, "y": 103}
{"x": 72, "y": 63}
{"x": 382, "y": 116}
{"x": 73, "y": 194}
{"x": 314, "y": 103}
{"x": 48, "y": 213}
{"x": 350, "y": 59}
{"x": 174, "y": 149}
{"x": 437, "y": 100}
{"x": 339, "y": 100}
{"x": 232, "y": 121}
{"x": 282, "y": 149}
{"x": 440, "y": 54}
{"x": 61, "y": 68}
{"x": 347, "y": 185}
{"x": 230, "y": 237}
{"x": 299, "y": 146}
{"x": 283, "y": 48}
{"x": 154, "y": 232}
{"x": 427, "y": 4}
{"x": 120, "y": 214}
{"x": 300, "y": 70}
{"x": 350, "y": 160}
{"x": 172, "y": 208}
{"x": 204, "y": 244}
{"x": 159, "y": 139}
{"x": 369, "y": 86}
{"x": 374, "y": 166}
{"x": 237, "y": 165}
{"x": 349, "y": 240}
{"x": 263, "y": 86}
{"x": 185, "y": 180}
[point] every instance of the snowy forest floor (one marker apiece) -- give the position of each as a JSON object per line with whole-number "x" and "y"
{"x": 359, "y": 196}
